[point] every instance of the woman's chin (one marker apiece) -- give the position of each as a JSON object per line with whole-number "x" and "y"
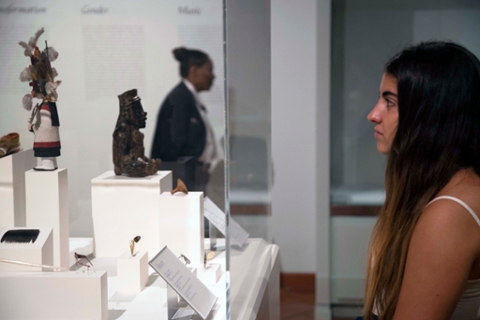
{"x": 383, "y": 149}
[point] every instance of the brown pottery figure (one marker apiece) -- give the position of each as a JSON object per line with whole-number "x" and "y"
{"x": 128, "y": 150}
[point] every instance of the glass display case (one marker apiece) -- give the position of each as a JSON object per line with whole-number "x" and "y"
{"x": 106, "y": 49}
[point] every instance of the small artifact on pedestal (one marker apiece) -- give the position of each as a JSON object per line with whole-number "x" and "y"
{"x": 9, "y": 143}
{"x": 20, "y": 236}
{"x": 132, "y": 245}
{"x": 128, "y": 150}
{"x": 44, "y": 120}
{"x": 207, "y": 257}
{"x": 78, "y": 258}
{"x": 181, "y": 187}
{"x": 184, "y": 258}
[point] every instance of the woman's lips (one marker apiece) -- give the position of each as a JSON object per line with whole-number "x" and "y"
{"x": 377, "y": 134}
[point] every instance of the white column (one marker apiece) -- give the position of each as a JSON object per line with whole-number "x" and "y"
{"x": 123, "y": 208}
{"x": 47, "y": 206}
{"x": 38, "y": 252}
{"x": 12, "y": 187}
{"x": 181, "y": 224}
{"x": 132, "y": 272}
{"x": 54, "y": 295}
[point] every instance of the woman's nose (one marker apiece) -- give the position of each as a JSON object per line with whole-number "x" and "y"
{"x": 374, "y": 116}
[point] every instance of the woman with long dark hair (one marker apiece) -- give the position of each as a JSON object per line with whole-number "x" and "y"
{"x": 424, "y": 257}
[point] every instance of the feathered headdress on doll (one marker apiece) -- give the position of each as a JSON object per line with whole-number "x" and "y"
{"x": 39, "y": 73}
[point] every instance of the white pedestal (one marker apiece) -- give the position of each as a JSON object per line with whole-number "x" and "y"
{"x": 39, "y": 252}
{"x": 12, "y": 187}
{"x": 132, "y": 272}
{"x": 53, "y": 295}
{"x": 181, "y": 225}
{"x": 124, "y": 208}
{"x": 47, "y": 206}
{"x": 209, "y": 275}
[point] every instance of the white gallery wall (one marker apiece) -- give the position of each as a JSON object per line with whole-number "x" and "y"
{"x": 301, "y": 140}
{"x": 105, "y": 48}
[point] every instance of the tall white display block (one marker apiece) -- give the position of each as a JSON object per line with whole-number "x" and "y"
{"x": 181, "y": 225}
{"x": 53, "y": 295}
{"x": 47, "y": 206}
{"x": 38, "y": 252}
{"x": 12, "y": 187}
{"x": 132, "y": 272}
{"x": 123, "y": 208}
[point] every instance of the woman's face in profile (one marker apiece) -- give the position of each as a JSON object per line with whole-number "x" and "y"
{"x": 203, "y": 76}
{"x": 385, "y": 114}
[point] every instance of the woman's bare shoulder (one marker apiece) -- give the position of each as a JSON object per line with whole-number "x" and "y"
{"x": 465, "y": 186}
{"x": 443, "y": 249}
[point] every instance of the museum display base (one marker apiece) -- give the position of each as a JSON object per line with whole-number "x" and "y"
{"x": 39, "y": 252}
{"x": 12, "y": 187}
{"x": 123, "y": 208}
{"x": 132, "y": 272}
{"x": 182, "y": 224}
{"x": 53, "y": 295}
{"x": 254, "y": 287}
{"x": 47, "y": 206}
{"x": 209, "y": 274}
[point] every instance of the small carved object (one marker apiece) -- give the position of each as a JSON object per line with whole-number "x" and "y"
{"x": 181, "y": 187}
{"x": 20, "y": 236}
{"x": 184, "y": 258}
{"x": 79, "y": 256}
{"x": 132, "y": 244}
{"x": 128, "y": 150}
{"x": 207, "y": 257}
{"x": 9, "y": 143}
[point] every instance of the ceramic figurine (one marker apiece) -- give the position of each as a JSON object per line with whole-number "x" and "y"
{"x": 128, "y": 150}
{"x": 44, "y": 120}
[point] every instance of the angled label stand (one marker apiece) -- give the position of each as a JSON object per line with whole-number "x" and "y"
{"x": 184, "y": 282}
{"x": 238, "y": 235}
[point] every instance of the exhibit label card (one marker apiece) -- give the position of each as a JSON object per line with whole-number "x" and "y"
{"x": 238, "y": 235}
{"x": 183, "y": 281}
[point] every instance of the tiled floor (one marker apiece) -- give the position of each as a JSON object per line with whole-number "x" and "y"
{"x": 298, "y": 306}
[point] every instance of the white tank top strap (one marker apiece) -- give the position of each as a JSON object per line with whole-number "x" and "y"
{"x": 463, "y": 204}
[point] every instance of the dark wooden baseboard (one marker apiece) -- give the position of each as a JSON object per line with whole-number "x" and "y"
{"x": 357, "y": 211}
{"x": 298, "y": 282}
{"x": 250, "y": 209}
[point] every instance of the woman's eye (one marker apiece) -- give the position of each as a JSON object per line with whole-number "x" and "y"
{"x": 390, "y": 103}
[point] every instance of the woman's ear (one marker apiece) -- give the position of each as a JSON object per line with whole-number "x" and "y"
{"x": 192, "y": 71}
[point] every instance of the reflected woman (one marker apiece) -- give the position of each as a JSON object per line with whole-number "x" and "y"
{"x": 424, "y": 259}
{"x": 183, "y": 128}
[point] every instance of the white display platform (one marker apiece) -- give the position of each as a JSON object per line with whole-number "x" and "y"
{"x": 53, "y": 295}
{"x": 182, "y": 224}
{"x": 132, "y": 272}
{"x": 39, "y": 252}
{"x": 210, "y": 274}
{"x": 254, "y": 287}
{"x": 123, "y": 208}
{"x": 47, "y": 206}
{"x": 12, "y": 187}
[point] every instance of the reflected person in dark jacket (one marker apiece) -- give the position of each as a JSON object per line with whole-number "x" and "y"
{"x": 183, "y": 128}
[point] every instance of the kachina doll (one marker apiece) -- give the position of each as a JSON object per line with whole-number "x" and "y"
{"x": 44, "y": 120}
